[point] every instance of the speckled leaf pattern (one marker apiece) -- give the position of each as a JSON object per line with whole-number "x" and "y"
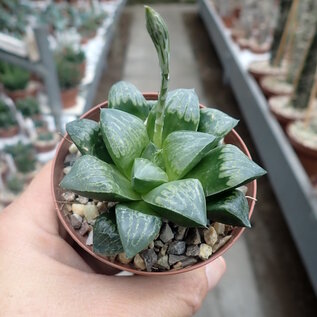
{"x": 106, "y": 238}
{"x": 146, "y": 175}
{"x": 154, "y": 154}
{"x": 150, "y": 122}
{"x": 231, "y": 208}
{"x": 93, "y": 178}
{"x": 224, "y": 168}
{"x": 125, "y": 137}
{"x": 181, "y": 111}
{"x": 182, "y": 202}
{"x": 137, "y": 226}
{"x": 126, "y": 97}
{"x": 182, "y": 150}
{"x": 216, "y": 122}
{"x": 86, "y": 135}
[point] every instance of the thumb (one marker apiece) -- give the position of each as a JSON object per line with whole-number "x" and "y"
{"x": 177, "y": 295}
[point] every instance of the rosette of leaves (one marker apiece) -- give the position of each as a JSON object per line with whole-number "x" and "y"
{"x": 13, "y": 77}
{"x": 7, "y": 118}
{"x": 29, "y": 107}
{"x": 162, "y": 161}
{"x": 71, "y": 55}
{"x": 68, "y": 73}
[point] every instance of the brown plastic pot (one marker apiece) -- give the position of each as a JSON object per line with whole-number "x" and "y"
{"x": 9, "y": 132}
{"x": 306, "y": 155}
{"x": 57, "y": 175}
{"x": 270, "y": 91}
{"x": 69, "y": 97}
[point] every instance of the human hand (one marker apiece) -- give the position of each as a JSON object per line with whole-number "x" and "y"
{"x": 42, "y": 275}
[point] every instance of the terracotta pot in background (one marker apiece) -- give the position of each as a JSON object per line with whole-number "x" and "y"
{"x": 259, "y": 49}
{"x": 112, "y": 268}
{"x": 9, "y": 132}
{"x": 69, "y": 97}
{"x": 259, "y": 69}
{"x": 30, "y": 91}
{"x": 84, "y": 40}
{"x": 307, "y": 155}
{"x": 82, "y": 69}
{"x": 271, "y": 91}
{"x": 46, "y": 146}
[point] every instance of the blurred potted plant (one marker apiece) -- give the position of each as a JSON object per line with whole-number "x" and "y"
{"x": 69, "y": 79}
{"x": 46, "y": 141}
{"x": 16, "y": 81}
{"x": 29, "y": 107}
{"x": 140, "y": 192}
{"x": 14, "y": 186}
{"x": 88, "y": 29}
{"x": 8, "y": 123}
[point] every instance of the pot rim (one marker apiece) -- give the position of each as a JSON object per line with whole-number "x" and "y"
{"x": 62, "y": 218}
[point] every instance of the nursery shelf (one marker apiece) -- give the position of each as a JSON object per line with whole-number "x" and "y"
{"x": 293, "y": 189}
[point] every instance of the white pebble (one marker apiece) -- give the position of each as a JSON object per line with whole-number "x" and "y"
{"x": 210, "y": 236}
{"x": 219, "y": 227}
{"x": 205, "y": 251}
{"x": 67, "y": 169}
{"x": 89, "y": 240}
{"x": 139, "y": 262}
{"x": 78, "y": 209}
{"x": 90, "y": 212}
{"x": 123, "y": 259}
{"x": 73, "y": 149}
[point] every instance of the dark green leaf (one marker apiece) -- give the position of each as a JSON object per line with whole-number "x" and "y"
{"x": 125, "y": 137}
{"x": 154, "y": 154}
{"x": 126, "y": 97}
{"x": 182, "y": 150}
{"x": 93, "y": 178}
{"x": 182, "y": 202}
{"x": 146, "y": 175}
{"x": 223, "y": 168}
{"x": 106, "y": 238}
{"x": 150, "y": 122}
{"x": 216, "y": 122}
{"x": 181, "y": 111}
{"x": 230, "y": 208}
{"x": 86, "y": 135}
{"x": 138, "y": 226}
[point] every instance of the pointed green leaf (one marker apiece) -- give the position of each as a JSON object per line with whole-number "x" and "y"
{"x": 125, "y": 137}
{"x": 216, "y": 122}
{"x": 150, "y": 122}
{"x": 223, "y": 168}
{"x": 151, "y": 104}
{"x": 93, "y": 178}
{"x": 126, "y": 97}
{"x": 154, "y": 154}
{"x": 230, "y": 208}
{"x": 182, "y": 202}
{"x": 181, "y": 111}
{"x": 182, "y": 150}
{"x": 106, "y": 238}
{"x": 137, "y": 225}
{"x": 86, "y": 135}
{"x": 146, "y": 176}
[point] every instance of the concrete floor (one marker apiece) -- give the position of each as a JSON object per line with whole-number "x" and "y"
{"x": 265, "y": 276}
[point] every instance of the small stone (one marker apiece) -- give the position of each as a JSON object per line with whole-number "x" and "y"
{"x": 111, "y": 204}
{"x": 210, "y": 236}
{"x": 69, "y": 160}
{"x": 192, "y": 250}
{"x": 82, "y": 200}
{"x": 188, "y": 262}
{"x": 90, "y": 212}
{"x": 123, "y": 259}
{"x": 73, "y": 149}
{"x": 68, "y": 196}
{"x": 90, "y": 240}
{"x": 164, "y": 249}
{"x": 221, "y": 243}
{"x": 68, "y": 207}
{"x": 102, "y": 205}
{"x": 84, "y": 228}
{"x": 151, "y": 245}
{"x": 67, "y": 169}
{"x": 180, "y": 233}
{"x": 162, "y": 262}
{"x": 78, "y": 209}
{"x": 149, "y": 256}
{"x": 139, "y": 262}
{"x": 158, "y": 244}
{"x": 166, "y": 233}
{"x": 219, "y": 227}
{"x": 205, "y": 251}
{"x": 177, "y": 248}
{"x": 193, "y": 236}
{"x": 76, "y": 221}
{"x": 172, "y": 259}
{"x": 178, "y": 266}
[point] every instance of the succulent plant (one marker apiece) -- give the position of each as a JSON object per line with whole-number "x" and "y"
{"x": 163, "y": 161}
{"x": 68, "y": 73}
{"x": 23, "y": 155}
{"x": 15, "y": 184}
{"x": 28, "y": 106}
{"x": 7, "y": 118}
{"x": 46, "y": 136}
{"x": 71, "y": 55}
{"x": 13, "y": 77}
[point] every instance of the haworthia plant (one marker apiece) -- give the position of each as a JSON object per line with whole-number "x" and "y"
{"x": 166, "y": 161}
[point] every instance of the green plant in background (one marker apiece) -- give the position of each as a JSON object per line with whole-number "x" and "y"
{"x": 46, "y": 136}
{"x": 13, "y": 77}
{"x": 88, "y": 27}
{"x": 7, "y": 118}
{"x": 68, "y": 73}
{"x": 29, "y": 107}
{"x": 165, "y": 162}
{"x": 71, "y": 55}
{"x": 15, "y": 184}
{"x": 24, "y": 156}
